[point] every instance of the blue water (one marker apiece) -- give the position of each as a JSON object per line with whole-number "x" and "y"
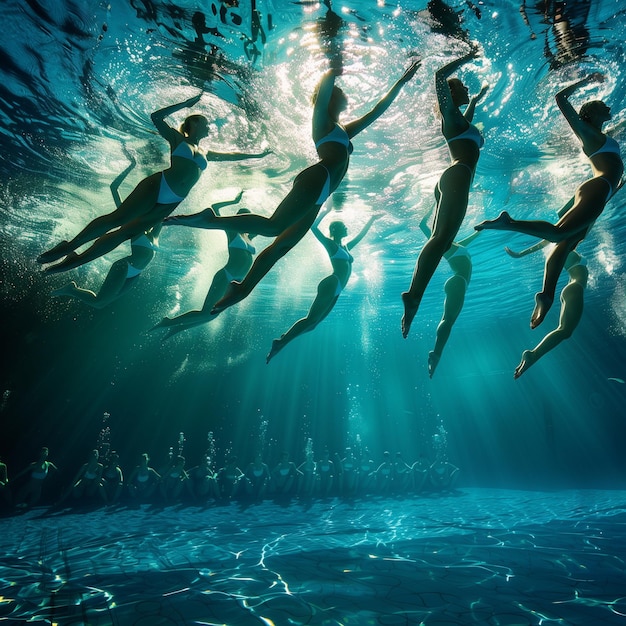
{"x": 78, "y": 81}
{"x": 78, "y": 84}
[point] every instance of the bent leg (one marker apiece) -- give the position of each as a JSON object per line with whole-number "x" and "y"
{"x": 196, "y": 317}
{"x": 109, "y": 291}
{"x": 111, "y": 240}
{"x": 321, "y": 307}
{"x": 572, "y": 298}
{"x": 266, "y": 260}
{"x": 553, "y": 268}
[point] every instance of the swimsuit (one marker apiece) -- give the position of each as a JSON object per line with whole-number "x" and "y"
{"x": 342, "y": 255}
{"x": 609, "y": 146}
{"x": 143, "y": 241}
{"x": 132, "y": 271}
{"x": 239, "y": 243}
{"x": 472, "y": 134}
{"x": 166, "y": 195}
{"x": 337, "y": 135}
{"x": 184, "y": 151}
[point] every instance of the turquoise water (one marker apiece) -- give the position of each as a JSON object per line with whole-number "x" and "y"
{"x": 534, "y": 534}
{"x": 79, "y": 81}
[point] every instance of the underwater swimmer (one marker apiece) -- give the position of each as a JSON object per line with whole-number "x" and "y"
{"x": 460, "y": 262}
{"x": 590, "y": 197}
{"x": 330, "y": 288}
{"x": 153, "y": 199}
{"x": 240, "y": 256}
{"x": 311, "y": 188}
{"x": 452, "y": 192}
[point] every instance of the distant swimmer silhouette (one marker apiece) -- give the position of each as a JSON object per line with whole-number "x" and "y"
{"x": 153, "y": 198}
{"x": 452, "y": 192}
{"x": 311, "y": 188}
{"x": 330, "y": 288}
{"x": 590, "y": 197}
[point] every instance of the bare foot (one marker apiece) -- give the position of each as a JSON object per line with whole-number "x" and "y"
{"x": 277, "y": 345}
{"x": 234, "y": 293}
{"x": 64, "y": 265}
{"x": 66, "y": 290}
{"x": 500, "y": 223}
{"x": 528, "y": 358}
{"x": 542, "y": 306}
{"x": 54, "y": 254}
{"x": 410, "y": 309}
{"x": 433, "y": 361}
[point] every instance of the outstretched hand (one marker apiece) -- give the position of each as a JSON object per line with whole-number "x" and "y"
{"x": 483, "y": 90}
{"x": 193, "y": 100}
{"x": 515, "y": 255}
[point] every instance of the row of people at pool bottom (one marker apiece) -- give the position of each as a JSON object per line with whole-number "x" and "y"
{"x": 148, "y": 207}
{"x": 102, "y": 480}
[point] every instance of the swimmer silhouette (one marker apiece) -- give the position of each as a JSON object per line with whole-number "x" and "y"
{"x": 240, "y": 256}
{"x": 330, "y": 288}
{"x": 153, "y": 198}
{"x": 590, "y": 198}
{"x": 311, "y": 188}
{"x": 460, "y": 262}
{"x": 452, "y": 191}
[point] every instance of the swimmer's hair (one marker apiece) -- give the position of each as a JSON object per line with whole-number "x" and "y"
{"x": 180, "y": 458}
{"x": 333, "y": 226}
{"x": 184, "y": 127}
{"x": 44, "y": 449}
{"x": 455, "y": 82}
{"x": 145, "y": 456}
{"x": 586, "y": 110}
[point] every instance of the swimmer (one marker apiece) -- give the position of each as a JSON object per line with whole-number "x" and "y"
{"x": 460, "y": 262}
{"x": 452, "y": 192}
{"x": 153, "y": 199}
{"x": 590, "y": 198}
{"x": 330, "y": 288}
{"x": 143, "y": 480}
{"x": 311, "y": 188}
{"x": 124, "y": 272}
{"x": 30, "y": 493}
{"x": 240, "y": 256}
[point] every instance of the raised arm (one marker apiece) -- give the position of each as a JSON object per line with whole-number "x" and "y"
{"x": 471, "y": 107}
{"x": 315, "y": 228}
{"x": 444, "y": 96}
{"x": 321, "y": 121}
{"x": 583, "y": 130}
{"x": 217, "y": 206}
{"x": 356, "y": 240}
{"x": 165, "y": 130}
{"x": 235, "y": 156}
{"x": 356, "y": 126}
{"x": 119, "y": 179}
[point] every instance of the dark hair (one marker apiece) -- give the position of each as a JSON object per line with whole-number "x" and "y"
{"x": 334, "y": 225}
{"x": 586, "y": 110}
{"x": 184, "y": 127}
